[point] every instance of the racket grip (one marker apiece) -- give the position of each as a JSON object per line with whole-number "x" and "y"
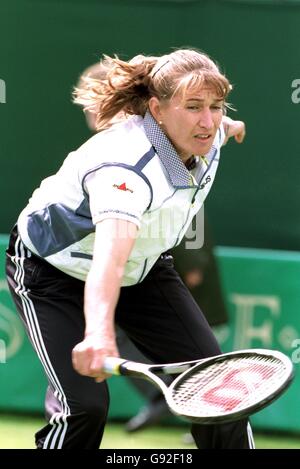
{"x": 112, "y": 365}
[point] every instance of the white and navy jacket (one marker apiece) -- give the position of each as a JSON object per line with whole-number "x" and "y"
{"x": 130, "y": 172}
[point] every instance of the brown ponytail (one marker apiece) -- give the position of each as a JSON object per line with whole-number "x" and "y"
{"x": 116, "y": 87}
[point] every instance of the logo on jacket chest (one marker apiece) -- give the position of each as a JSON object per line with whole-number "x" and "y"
{"x": 123, "y": 187}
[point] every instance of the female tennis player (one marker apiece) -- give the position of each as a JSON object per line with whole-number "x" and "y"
{"x": 91, "y": 247}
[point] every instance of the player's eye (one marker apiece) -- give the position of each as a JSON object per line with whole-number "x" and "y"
{"x": 193, "y": 107}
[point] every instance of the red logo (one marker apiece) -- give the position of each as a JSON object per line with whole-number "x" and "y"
{"x": 122, "y": 187}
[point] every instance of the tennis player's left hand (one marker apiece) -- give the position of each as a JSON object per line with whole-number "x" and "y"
{"x": 232, "y": 128}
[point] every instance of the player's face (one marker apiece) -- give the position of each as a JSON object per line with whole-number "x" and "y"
{"x": 191, "y": 122}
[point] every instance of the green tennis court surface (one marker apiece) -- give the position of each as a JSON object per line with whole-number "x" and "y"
{"x": 17, "y": 432}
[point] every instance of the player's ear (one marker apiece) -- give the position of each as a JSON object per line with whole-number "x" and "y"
{"x": 155, "y": 108}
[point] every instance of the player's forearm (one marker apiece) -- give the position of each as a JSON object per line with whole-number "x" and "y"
{"x": 102, "y": 291}
{"x": 101, "y": 295}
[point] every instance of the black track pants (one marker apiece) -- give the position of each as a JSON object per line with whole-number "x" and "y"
{"x": 160, "y": 317}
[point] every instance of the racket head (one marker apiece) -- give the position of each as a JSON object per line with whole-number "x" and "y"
{"x": 231, "y": 386}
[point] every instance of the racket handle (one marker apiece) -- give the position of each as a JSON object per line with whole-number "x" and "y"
{"x": 112, "y": 365}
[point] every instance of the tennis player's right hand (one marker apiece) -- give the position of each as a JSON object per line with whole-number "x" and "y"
{"x": 88, "y": 356}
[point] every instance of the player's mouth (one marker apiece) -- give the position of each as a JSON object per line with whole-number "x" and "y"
{"x": 202, "y": 137}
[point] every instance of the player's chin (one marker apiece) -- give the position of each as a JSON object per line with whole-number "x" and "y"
{"x": 201, "y": 147}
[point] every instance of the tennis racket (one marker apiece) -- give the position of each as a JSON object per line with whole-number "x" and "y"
{"x": 217, "y": 389}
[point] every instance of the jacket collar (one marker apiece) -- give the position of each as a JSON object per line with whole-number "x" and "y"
{"x": 178, "y": 174}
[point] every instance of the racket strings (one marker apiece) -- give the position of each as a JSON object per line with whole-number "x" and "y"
{"x": 230, "y": 385}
